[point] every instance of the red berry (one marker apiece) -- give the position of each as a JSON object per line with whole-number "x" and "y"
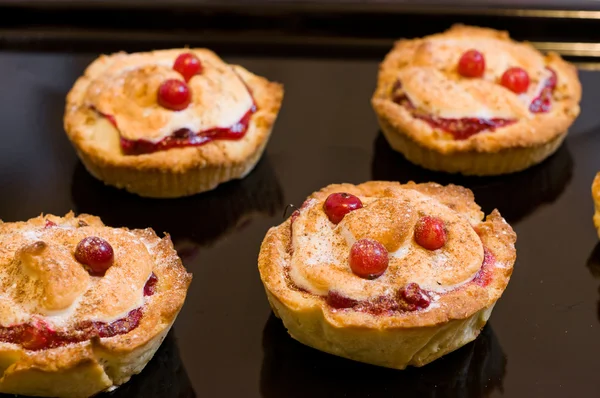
{"x": 35, "y": 337}
{"x": 150, "y": 286}
{"x": 430, "y": 233}
{"x": 471, "y": 64}
{"x": 174, "y": 94}
{"x": 515, "y": 79}
{"x": 411, "y": 297}
{"x": 49, "y": 224}
{"x": 368, "y": 258}
{"x": 188, "y": 65}
{"x": 336, "y": 300}
{"x": 96, "y": 253}
{"x": 337, "y": 205}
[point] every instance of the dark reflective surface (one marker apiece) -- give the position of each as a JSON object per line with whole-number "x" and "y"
{"x": 515, "y": 195}
{"x": 546, "y": 331}
{"x": 475, "y": 370}
{"x": 236, "y": 203}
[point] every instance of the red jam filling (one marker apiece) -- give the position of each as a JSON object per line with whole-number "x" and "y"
{"x": 185, "y": 137}
{"x": 463, "y": 128}
{"x": 39, "y": 335}
{"x": 543, "y": 102}
{"x": 484, "y": 275}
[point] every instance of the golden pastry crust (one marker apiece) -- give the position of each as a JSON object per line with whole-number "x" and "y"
{"x": 427, "y": 69}
{"x": 31, "y": 251}
{"x": 178, "y": 171}
{"x": 297, "y": 279}
{"x": 596, "y": 198}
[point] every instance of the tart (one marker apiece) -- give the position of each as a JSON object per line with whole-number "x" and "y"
{"x": 170, "y": 123}
{"x": 388, "y": 274}
{"x": 473, "y": 101}
{"x": 84, "y": 306}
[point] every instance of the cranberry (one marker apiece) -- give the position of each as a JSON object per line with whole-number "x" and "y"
{"x": 411, "y": 297}
{"x": 471, "y": 64}
{"x": 430, "y": 233}
{"x": 96, "y": 253}
{"x": 150, "y": 286}
{"x": 515, "y": 79}
{"x": 49, "y": 224}
{"x": 337, "y": 205}
{"x": 35, "y": 337}
{"x": 336, "y": 300}
{"x": 188, "y": 65}
{"x": 368, "y": 258}
{"x": 174, "y": 94}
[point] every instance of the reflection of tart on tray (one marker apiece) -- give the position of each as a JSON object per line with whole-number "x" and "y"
{"x": 170, "y": 123}
{"x": 472, "y": 101}
{"x": 164, "y": 377}
{"x": 84, "y": 306}
{"x": 387, "y": 274}
{"x": 515, "y": 195}
{"x": 200, "y": 219}
{"x": 474, "y": 371}
{"x": 593, "y": 264}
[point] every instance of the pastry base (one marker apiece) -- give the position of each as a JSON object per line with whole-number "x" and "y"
{"x": 99, "y": 371}
{"x": 505, "y": 161}
{"x": 390, "y": 348}
{"x": 168, "y": 183}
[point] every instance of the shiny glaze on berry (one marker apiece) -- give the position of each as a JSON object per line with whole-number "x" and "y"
{"x": 338, "y": 204}
{"x": 368, "y": 259}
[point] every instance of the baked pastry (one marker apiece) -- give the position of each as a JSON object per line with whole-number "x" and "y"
{"x": 170, "y": 123}
{"x": 84, "y": 306}
{"x": 387, "y": 274}
{"x": 472, "y": 101}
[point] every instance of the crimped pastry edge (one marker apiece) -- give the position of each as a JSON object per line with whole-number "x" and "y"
{"x": 505, "y": 161}
{"x": 84, "y": 369}
{"x": 180, "y": 171}
{"x": 390, "y": 348}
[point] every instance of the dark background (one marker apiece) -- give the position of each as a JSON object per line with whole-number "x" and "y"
{"x": 543, "y": 338}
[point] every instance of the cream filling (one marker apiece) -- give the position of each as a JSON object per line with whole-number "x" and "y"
{"x": 320, "y": 260}
{"x": 14, "y": 313}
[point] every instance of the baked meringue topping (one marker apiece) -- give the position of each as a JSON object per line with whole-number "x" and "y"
{"x": 49, "y": 299}
{"x": 125, "y": 89}
{"x": 434, "y": 91}
{"x": 421, "y": 267}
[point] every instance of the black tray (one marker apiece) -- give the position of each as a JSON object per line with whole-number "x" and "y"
{"x": 544, "y": 336}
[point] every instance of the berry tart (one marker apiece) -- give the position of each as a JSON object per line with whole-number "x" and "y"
{"x": 84, "y": 306}
{"x": 472, "y": 101}
{"x": 170, "y": 123}
{"x": 387, "y": 274}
